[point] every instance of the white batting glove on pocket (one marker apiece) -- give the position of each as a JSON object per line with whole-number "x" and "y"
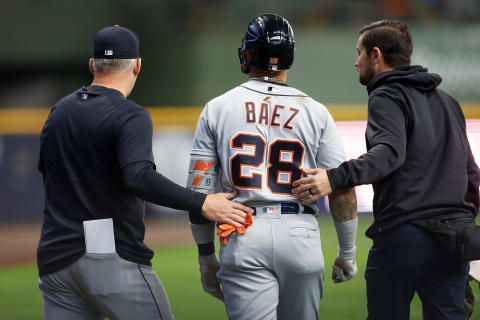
{"x": 344, "y": 270}
{"x": 209, "y": 267}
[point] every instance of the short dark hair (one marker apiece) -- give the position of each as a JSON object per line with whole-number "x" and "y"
{"x": 392, "y": 38}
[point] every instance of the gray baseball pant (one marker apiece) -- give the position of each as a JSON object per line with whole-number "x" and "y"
{"x": 275, "y": 270}
{"x": 104, "y": 285}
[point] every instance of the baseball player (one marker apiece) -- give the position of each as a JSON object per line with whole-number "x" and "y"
{"x": 256, "y": 139}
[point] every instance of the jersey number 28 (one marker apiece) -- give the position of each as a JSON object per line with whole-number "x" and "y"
{"x": 285, "y": 158}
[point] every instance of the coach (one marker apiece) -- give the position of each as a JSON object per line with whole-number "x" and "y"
{"x": 97, "y": 163}
{"x": 424, "y": 178}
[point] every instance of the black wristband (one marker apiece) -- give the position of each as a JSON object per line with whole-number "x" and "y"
{"x": 206, "y": 249}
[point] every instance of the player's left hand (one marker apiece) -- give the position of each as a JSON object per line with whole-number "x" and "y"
{"x": 312, "y": 188}
{"x": 343, "y": 270}
{"x": 209, "y": 267}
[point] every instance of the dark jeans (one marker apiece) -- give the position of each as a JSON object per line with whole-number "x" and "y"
{"x": 405, "y": 260}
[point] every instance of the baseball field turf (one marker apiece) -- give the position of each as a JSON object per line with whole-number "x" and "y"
{"x": 20, "y": 298}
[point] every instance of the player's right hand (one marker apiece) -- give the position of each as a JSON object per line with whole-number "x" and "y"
{"x": 218, "y": 208}
{"x": 209, "y": 267}
{"x": 344, "y": 270}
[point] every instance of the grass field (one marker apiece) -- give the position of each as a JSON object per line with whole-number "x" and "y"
{"x": 20, "y": 298}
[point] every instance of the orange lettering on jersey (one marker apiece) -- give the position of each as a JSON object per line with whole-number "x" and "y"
{"x": 287, "y": 125}
{"x": 266, "y": 98}
{"x": 263, "y": 114}
{"x": 276, "y": 115}
{"x": 204, "y": 166}
{"x": 197, "y": 180}
{"x": 250, "y": 112}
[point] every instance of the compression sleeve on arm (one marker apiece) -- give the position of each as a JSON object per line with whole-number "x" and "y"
{"x": 346, "y": 234}
{"x": 202, "y": 177}
{"x": 142, "y": 180}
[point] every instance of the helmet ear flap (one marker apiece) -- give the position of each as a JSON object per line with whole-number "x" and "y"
{"x": 244, "y": 64}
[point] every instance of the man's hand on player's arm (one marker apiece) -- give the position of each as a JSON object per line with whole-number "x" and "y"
{"x": 343, "y": 207}
{"x": 311, "y": 188}
{"x": 219, "y": 208}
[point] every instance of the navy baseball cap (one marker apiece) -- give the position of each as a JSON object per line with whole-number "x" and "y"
{"x": 116, "y": 43}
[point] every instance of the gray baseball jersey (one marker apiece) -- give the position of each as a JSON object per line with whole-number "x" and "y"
{"x": 262, "y": 135}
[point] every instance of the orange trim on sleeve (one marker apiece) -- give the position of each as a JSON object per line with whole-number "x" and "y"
{"x": 203, "y": 165}
{"x": 197, "y": 180}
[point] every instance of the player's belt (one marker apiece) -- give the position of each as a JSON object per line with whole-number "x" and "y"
{"x": 289, "y": 208}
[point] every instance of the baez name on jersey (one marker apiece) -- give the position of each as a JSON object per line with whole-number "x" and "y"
{"x": 263, "y": 114}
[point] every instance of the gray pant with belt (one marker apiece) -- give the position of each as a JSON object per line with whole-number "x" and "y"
{"x": 275, "y": 270}
{"x": 104, "y": 285}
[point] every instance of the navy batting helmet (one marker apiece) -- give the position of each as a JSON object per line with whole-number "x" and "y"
{"x": 269, "y": 38}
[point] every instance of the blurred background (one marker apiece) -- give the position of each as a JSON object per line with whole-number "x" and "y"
{"x": 189, "y": 49}
{"x": 190, "y": 52}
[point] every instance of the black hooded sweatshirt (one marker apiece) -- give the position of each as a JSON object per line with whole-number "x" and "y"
{"x": 418, "y": 156}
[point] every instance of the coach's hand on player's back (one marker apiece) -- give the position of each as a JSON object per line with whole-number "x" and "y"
{"x": 313, "y": 187}
{"x": 218, "y": 208}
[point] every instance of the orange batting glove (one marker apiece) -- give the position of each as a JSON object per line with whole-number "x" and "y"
{"x": 225, "y": 229}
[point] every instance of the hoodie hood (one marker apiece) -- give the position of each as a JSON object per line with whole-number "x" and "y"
{"x": 417, "y": 77}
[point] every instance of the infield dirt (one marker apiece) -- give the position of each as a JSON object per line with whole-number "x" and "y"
{"x": 18, "y": 242}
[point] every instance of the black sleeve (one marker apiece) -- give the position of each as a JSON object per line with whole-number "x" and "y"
{"x": 195, "y": 216}
{"x": 41, "y": 160}
{"x": 473, "y": 173}
{"x": 142, "y": 180}
{"x": 134, "y": 139}
{"x": 40, "y": 165}
{"x": 386, "y": 136}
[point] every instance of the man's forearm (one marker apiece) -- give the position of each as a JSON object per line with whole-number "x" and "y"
{"x": 343, "y": 204}
{"x": 143, "y": 181}
{"x": 343, "y": 207}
